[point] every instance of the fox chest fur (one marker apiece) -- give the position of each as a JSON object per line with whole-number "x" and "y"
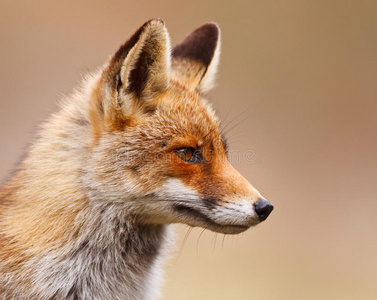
{"x": 86, "y": 214}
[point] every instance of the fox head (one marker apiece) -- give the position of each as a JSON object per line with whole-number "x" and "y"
{"x": 157, "y": 147}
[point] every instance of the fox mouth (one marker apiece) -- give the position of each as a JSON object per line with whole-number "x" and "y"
{"x": 193, "y": 215}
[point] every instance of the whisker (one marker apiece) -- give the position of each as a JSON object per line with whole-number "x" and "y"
{"x": 231, "y": 121}
{"x": 214, "y": 244}
{"x": 239, "y": 133}
{"x": 236, "y": 124}
{"x": 234, "y": 119}
{"x": 197, "y": 243}
{"x": 213, "y": 238}
{"x": 222, "y": 243}
{"x": 184, "y": 241}
{"x": 226, "y": 116}
{"x": 204, "y": 138}
{"x": 239, "y": 140}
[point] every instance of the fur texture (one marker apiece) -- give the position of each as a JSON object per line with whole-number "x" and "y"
{"x": 86, "y": 215}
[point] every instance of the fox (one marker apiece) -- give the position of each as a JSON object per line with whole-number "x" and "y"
{"x": 88, "y": 212}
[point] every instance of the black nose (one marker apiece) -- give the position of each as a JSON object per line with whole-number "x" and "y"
{"x": 263, "y": 209}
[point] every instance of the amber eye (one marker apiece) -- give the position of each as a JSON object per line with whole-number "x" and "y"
{"x": 189, "y": 154}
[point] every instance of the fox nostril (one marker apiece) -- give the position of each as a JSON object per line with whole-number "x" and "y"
{"x": 263, "y": 209}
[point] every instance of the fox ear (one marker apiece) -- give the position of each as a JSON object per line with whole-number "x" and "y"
{"x": 195, "y": 60}
{"x": 137, "y": 73}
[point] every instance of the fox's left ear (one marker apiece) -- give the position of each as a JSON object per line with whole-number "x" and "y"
{"x": 195, "y": 60}
{"x": 134, "y": 77}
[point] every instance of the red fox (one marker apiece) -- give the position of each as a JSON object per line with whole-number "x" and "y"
{"x": 86, "y": 214}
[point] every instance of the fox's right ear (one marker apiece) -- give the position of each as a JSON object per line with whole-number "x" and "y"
{"x": 195, "y": 60}
{"x": 134, "y": 76}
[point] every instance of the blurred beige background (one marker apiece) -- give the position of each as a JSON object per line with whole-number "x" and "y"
{"x": 304, "y": 74}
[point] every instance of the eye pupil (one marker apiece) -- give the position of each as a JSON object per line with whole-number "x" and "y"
{"x": 189, "y": 154}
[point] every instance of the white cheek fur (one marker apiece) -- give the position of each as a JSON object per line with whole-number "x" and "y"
{"x": 174, "y": 189}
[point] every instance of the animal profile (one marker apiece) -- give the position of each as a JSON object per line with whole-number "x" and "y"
{"x": 87, "y": 214}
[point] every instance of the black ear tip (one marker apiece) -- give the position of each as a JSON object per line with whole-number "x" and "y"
{"x": 200, "y": 44}
{"x": 208, "y": 31}
{"x": 211, "y": 28}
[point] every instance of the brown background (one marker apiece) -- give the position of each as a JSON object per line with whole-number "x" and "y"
{"x": 303, "y": 73}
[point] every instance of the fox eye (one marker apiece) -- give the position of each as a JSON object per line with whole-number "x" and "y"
{"x": 189, "y": 154}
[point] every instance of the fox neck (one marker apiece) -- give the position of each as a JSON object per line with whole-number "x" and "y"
{"x": 111, "y": 259}
{"x": 108, "y": 256}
